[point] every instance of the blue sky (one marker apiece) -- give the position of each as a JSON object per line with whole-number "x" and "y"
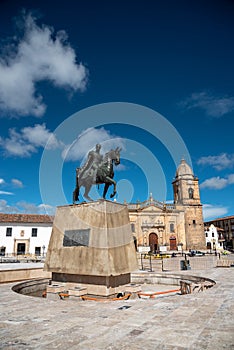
{"x": 155, "y": 77}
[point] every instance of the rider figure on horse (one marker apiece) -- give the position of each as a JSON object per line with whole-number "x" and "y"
{"x": 89, "y": 169}
{"x": 98, "y": 169}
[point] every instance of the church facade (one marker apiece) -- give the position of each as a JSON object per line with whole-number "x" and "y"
{"x": 168, "y": 227}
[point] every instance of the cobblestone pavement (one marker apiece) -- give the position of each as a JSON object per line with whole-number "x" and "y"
{"x": 195, "y": 321}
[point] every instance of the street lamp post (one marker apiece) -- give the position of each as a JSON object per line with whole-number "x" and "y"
{"x": 181, "y": 245}
{"x": 43, "y": 249}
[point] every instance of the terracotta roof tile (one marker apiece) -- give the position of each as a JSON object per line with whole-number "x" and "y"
{"x": 221, "y": 219}
{"x": 26, "y": 218}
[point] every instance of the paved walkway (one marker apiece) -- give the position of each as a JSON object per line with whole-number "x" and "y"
{"x": 18, "y": 266}
{"x": 199, "y": 321}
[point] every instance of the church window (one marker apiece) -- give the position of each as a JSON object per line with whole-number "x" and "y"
{"x": 133, "y": 227}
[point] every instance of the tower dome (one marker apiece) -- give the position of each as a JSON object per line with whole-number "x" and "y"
{"x": 184, "y": 170}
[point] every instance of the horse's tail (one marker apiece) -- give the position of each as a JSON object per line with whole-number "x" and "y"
{"x": 77, "y": 189}
{"x": 76, "y": 195}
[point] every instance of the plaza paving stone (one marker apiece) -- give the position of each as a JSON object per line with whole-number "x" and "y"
{"x": 194, "y": 321}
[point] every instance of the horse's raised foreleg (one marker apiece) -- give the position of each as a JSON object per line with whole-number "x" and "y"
{"x": 105, "y": 190}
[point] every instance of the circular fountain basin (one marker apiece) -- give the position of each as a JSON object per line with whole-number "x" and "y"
{"x": 152, "y": 285}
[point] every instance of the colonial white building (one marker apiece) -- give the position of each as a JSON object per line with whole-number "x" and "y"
{"x": 22, "y": 234}
{"x": 214, "y": 238}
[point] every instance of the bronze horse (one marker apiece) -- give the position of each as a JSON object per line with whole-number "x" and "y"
{"x": 104, "y": 175}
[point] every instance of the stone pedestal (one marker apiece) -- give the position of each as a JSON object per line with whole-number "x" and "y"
{"x": 92, "y": 245}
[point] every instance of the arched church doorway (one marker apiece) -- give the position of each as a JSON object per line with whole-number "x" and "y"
{"x": 173, "y": 245}
{"x": 153, "y": 242}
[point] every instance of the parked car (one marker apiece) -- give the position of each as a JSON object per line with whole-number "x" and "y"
{"x": 230, "y": 249}
{"x": 195, "y": 253}
{"x": 161, "y": 256}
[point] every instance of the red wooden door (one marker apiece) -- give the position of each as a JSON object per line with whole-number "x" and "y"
{"x": 173, "y": 245}
{"x": 153, "y": 242}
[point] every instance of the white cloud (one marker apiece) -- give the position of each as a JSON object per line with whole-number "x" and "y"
{"x": 39, "y": 136}
{"x": 212, "y": 211}
{"x": 25, "y": 207}
{"x": 28, "y": 140}
{"x": 212, "y": 105}
{"x": 219, "y": 162}
{"x": 6, "y": 193}
{"x": 46, "y": 209}
{"x": 17, "y": 183}
{"x": 87, "y": 141}
{"x": 15, "y": 145}
{"x": 217, "y": 182}
{"x": 32, "y": 208}
{"x": 230, "y": 179}
{"x": 39, "y": 55}
{"x": 121, "y": 167}
{"x": 2, "y": 181}
{"x": 5, "y": 208}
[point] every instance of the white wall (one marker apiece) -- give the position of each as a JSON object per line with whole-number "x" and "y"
{"x": 42, "y": 239}
{"x": 212, "y": 237}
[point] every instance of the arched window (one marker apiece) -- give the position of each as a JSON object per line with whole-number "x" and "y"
{"x": 190, "y": 192}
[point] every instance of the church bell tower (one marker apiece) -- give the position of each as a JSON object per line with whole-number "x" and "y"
{"x": 187, "y": 197}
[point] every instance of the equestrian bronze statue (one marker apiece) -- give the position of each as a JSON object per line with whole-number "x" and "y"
{"x": 98, "y": 169}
